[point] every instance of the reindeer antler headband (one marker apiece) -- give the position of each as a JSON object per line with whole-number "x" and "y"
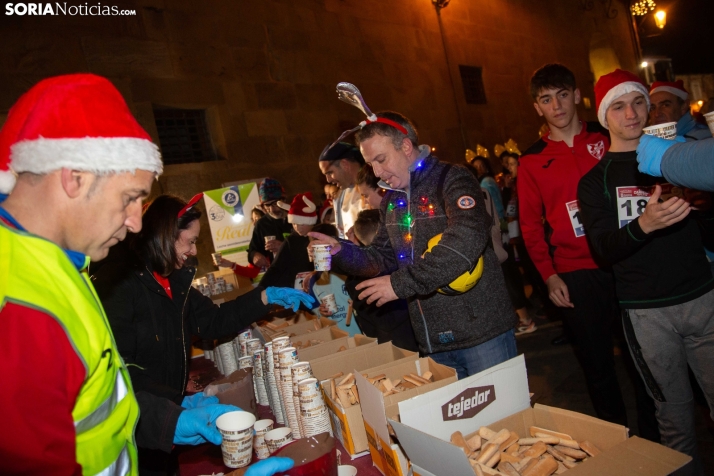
{"x": 349, "y": 93}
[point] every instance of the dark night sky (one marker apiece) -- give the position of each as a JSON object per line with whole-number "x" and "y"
{"x": 687, "y": 38}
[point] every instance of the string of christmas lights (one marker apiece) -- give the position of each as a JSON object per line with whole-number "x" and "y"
{"x": 642, "y": 7}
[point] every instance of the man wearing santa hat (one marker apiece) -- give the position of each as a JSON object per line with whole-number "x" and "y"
{"x": 653, "y": 239}
{"x": 669, "y": 102}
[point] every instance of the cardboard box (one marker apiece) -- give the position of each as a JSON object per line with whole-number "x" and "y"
{"x": 298, "y": 323}
{"x": 376, "y": 409}
{"x": 332, "y": 348}
{"x": 347, "y": 422}
{"x": 427, "y": 422}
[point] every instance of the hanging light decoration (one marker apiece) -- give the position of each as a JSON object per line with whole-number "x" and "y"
{"x": 642, "y": 7}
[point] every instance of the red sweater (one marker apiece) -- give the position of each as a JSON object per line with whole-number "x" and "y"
{"x": 548, "y": 179}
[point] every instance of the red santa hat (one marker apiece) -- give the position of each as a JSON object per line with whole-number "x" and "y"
{"x": 676, "y": 88}
{"x": 614, "y": 85}
{"x": 303, "y": 210}
{"x": 76, "y": 121}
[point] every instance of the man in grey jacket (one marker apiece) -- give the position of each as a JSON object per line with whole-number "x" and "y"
{"x": 471, "y": 331}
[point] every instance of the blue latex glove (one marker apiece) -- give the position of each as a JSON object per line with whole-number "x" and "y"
{"x": 288, "y": 297}
{"x": 198, "y": 400}
{"x": 270, "y": 466}
{"x": 198, "y": 425}
{"x": 650, "y": 152}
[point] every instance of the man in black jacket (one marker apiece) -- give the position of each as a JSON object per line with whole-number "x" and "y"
{"x": 471, "y": 331}
{"x": 654, "y": 241}
{"x": 274, "y": 223}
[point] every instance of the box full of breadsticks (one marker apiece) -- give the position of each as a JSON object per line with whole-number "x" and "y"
{"x": 337, "y": 377}
{"x": 484, "y": 425}
{"x": 381, "y": 389}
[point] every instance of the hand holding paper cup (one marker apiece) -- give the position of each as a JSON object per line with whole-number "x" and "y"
{"x": 322, "y": 257}
{"x": 668, "y": 130}
{"x": 237, "y": 431}
{"x": 216, "y": 258}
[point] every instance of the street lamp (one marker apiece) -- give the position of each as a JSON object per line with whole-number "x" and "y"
{"x": 661, "y": 18}
{"x": 439, "y": 4}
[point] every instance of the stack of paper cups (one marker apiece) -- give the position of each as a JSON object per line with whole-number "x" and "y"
{"x": 299, "y": 372}
{"x": 236, "y": 348}
{"x": 237, "y": 431}
{"x": 208, "y": 354}
{"x": 313, "y": 411}
{"x": 279, "y": 344}
{"x": 228, "y": 358}
{"x": 242, "y": 338}
{"x": 252, "y": 345}
{"x": 287, "y": 358}
{"x": 217, "y": 360}
{"x": 259, "y": 377}
{"x": 261, "y": 428}
{"x": 269, "y": 377}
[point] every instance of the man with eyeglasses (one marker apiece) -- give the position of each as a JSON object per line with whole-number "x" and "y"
{"x": 274, "y": 223}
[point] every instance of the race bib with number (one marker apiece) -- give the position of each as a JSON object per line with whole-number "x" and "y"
{"x": 632, "y": 201}
{"x": 574, "y": 214}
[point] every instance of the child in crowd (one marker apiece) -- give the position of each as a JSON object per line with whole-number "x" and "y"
{"x": 389, "y": 322}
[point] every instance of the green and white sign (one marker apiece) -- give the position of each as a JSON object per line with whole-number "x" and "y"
{"x": 228, "y": 211}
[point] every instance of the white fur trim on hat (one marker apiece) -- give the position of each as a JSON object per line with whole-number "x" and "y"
{"x": 91, "y": 154}
{"x": 7, "y": 181}
{"x": 614, "y": 93}
{"x": 302, "y": 220}
{"x": 683, "y": 95}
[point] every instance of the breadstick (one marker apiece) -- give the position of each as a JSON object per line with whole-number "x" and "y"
{"x": 355, "y": 394}
{"x": 412, "y": 381}
{"x": 337, "y": 375}
{"x": 511, "y": 439}
{"x": 488, "y": 450}
{"x": 427, "y": 376}
{"x": 486, "y": 433}
{"x": 577, "y": 454}
{"x": 550, "y": 440}
{"x": 458, "y": 439}
{"x": 421, "y": 379}
{"x": 534, "y": 429}
{"x": 507, "y": 468}
{"x": 494, "y": 460}
{"x": 536, "y": 450}
{"x": 475, "y": 442}
{"x": 513, "y": 449}
{"x": 589, "y": 448}
{"x": 544, "y": 467}
{"x": 570, "y": 444}
{"x": 561, "y": 468}
{"x": 500, "y": 437}
{"x": 570, "y": 464}
{"x": 508, "y": 458}
{"x": 527, "y": 463}
{"x": 347, "y": 379}
{"x": 558, "y": 455}
{"x": 333, "y": 394}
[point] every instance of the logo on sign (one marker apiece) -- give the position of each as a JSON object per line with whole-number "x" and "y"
{"x": 597, "y": 149}
{"x": 230, "y": 198}
{"x": 468, "y": 403}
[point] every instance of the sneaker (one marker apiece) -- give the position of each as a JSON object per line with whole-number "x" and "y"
{"x": 526, "y": 329}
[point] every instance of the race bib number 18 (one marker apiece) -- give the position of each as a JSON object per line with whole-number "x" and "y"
{"x": 632, "y": 201}
{"x": 574, "y": 214}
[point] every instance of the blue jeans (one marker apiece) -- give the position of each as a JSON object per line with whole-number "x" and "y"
{"x": 479, "y": 357}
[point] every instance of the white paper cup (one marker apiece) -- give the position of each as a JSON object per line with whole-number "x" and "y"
{"x": 322, "y": 257}
{"x": 261, "y": 427}
{"x": 237, "y": 431}
{"x": 329, "y": 302}
{"x": 269, "y": 238}
{"x": 216, "y": 257}
{"x": 288, "y": 357}
{"x": 277, "y": 438}
{"x": 710, "y": 121}
{"x": 210, "y": 278}
{"x": 252, "y": 345}
{"x": 346, "y": 470}
{"x": 668, "y": 130}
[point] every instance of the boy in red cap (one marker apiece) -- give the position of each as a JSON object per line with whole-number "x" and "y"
{"x": 669, "y": 102}
{"x": 653, "y": 239}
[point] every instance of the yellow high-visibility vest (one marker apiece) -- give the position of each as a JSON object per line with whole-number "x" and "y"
{"x": 36, "y": 273}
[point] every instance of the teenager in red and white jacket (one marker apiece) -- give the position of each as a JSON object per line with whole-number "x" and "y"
{"x": 555, "y": 237}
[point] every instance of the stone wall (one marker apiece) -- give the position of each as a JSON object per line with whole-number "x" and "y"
{"x": 265, "y": 70}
